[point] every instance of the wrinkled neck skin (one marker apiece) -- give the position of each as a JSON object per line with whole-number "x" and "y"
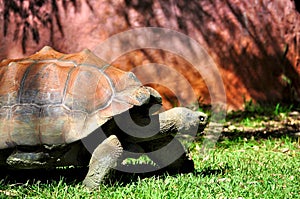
{"x": 138, "y": 128}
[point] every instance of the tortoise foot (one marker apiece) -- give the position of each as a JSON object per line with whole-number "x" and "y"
{"x": 103, "y": 159}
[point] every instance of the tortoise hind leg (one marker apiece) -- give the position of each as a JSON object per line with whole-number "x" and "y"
{"x": 169, "y": 154}
{"x": 104, "y": 157}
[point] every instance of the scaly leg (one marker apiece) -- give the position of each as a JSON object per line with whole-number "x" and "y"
{"x": 169, "y": 157}
{"x": 104, "y": 158}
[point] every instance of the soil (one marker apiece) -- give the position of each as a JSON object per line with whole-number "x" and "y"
{"x": 268, "y": 126}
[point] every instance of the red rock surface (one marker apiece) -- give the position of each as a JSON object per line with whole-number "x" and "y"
{"x": 255, "y": 43}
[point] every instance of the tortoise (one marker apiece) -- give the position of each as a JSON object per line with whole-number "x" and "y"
{"x": 74, "y": 109}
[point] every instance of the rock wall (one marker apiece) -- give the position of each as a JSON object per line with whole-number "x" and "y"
{"x": 255, "y": 43}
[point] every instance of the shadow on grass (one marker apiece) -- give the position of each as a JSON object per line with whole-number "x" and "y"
{"x": 125, "y": 178}
{"x": 72, "y": 176}
{"x": 259, "y": 134}
{"x": 69, "y": 175}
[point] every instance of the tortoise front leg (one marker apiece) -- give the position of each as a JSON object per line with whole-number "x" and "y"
{"x": 104, "y": 158}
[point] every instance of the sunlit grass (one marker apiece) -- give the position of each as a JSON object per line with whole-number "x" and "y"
{"x": 266, "y": 168}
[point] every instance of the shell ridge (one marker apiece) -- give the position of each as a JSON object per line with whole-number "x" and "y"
{"x": 39, "y": 135}
{"x": 84, "y": 125}
{"x": 112, "y": 86}
{"x": 10, "y": 141}
{"x": 21, "y": 89}
{"x": 66, "y": 85}
{"x": 103, "y": 68}
{"x": 68, "y": 62}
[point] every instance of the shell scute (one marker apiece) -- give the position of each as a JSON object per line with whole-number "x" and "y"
{"x": 43, "y": 83}
{"x": 88, "y": 89}
{"x": 24, "y": 125}
{"x": 11, "y": 75}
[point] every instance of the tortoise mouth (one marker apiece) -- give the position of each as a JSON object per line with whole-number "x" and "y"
{"x": 202, "y": 126}
{"x": 201, "y": 130}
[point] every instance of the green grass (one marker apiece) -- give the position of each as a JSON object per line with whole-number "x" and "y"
{"x": 240, "y": 168}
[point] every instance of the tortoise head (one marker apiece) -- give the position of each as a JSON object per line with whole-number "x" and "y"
{"x": 186, "y": 121}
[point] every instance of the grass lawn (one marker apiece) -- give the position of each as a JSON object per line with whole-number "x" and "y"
{"x": 239, "y": 166}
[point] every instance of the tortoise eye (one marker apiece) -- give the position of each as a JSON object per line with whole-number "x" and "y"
{"x": 201, "y": 118}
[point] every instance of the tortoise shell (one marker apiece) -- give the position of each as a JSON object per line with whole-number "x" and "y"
{"x": 55, "y": 98}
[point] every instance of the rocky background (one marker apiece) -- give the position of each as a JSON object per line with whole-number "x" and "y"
{"x": 255, "y": 43}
